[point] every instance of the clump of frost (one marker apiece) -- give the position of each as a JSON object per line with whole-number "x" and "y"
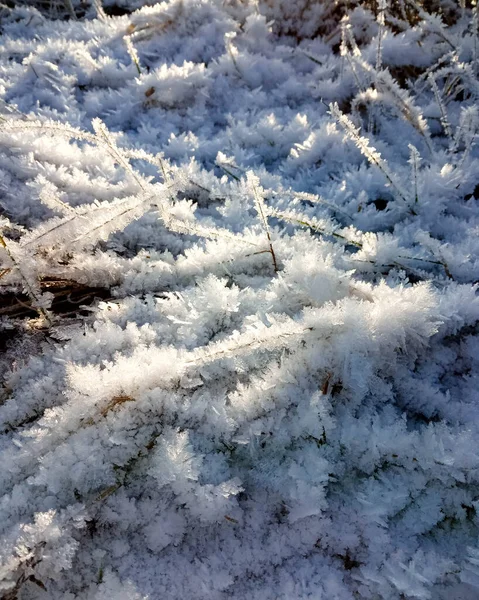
{"x": 238, "y": 300}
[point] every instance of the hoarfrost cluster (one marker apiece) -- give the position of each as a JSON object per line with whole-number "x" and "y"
{"x": 263, "y": 217}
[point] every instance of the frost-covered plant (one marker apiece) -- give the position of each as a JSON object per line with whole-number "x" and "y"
{"x": 277, "y": 395}
{"x": 368, "y": 151}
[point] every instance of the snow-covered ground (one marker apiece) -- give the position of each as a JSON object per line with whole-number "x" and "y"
{"x": 277, "y": 397}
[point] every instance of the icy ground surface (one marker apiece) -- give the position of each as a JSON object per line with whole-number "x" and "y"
{"x": 277, "y": 398}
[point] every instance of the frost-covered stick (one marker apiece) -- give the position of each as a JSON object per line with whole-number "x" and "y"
{"x": 157, "y": 160}
{"x": 232, "y": 50}
{"x": 315, "y": 59}
{"x": 133, "y": 53}
{"x": 52, "y": 126}
{"x": 164, "y": 172}
{"x": 101, "y": 138}
{"x": 303, "y": 221}
{"x": 466, "y": 71}
{"x": 49, "y": 197}
{"x": 318, "y": 200}
{"x": 369, "y": 152}
{"x": 85, "y": 221}
{"x": 434, "y": 23}
{"x": 116, "y": 218}
{"x": 102, "y": 133}
{"x": 228, "y": 172}
{"x": 405, "y": 104}
{"x": 346, "y": 33}
{"x": 381, "y": 10}
{"x": 253, "y": 182}
{"x": 452, "y": 86}
{"x": 414, "y": 161}
{"x": 386, "y": 83}
{"x": 272, "y": 339}
{"x": 209, "y": 233}
{"x": 352, "y": 40}
{"x": 369, "y": 99}
{"x": 31, "y": 287}
{"x": 122, "y": 156}
{"x": 444, "y": 120}
{"x": 100, "y": 13}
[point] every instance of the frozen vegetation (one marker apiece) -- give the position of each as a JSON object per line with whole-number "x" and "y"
{"x": 239, "y": 315}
